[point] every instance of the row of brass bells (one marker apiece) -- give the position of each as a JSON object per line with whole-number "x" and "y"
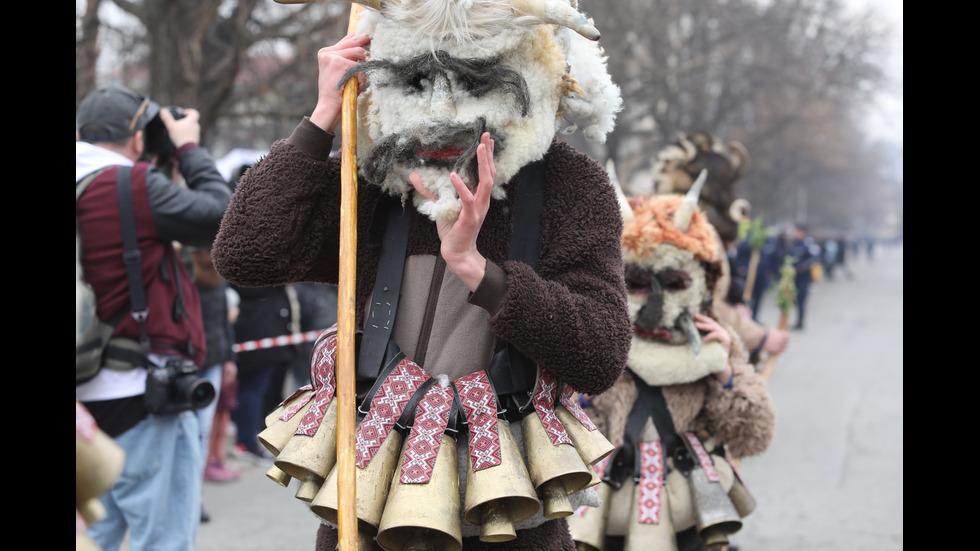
{"x": 716, "y": 508}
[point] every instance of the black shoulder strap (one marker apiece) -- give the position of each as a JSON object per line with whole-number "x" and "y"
{"x": 527, "y": 214}
{"x": 132, "y": 257}
{"x": 510, "y": 370}
{"x": 651, "y": 403}
{"x": 387, "y": 286}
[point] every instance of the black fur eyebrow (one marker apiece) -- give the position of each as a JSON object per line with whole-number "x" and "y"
{"x": 480, "y": 74}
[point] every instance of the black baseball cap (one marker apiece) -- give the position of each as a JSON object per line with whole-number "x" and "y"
{"x": 112, "y": 112}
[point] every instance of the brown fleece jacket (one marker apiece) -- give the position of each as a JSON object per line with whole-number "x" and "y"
{"x": 569, "y": 314}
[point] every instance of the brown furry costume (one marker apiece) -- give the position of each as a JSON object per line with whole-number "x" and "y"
{"x": 578, "y": 281}
{"x": 739, "y": 420}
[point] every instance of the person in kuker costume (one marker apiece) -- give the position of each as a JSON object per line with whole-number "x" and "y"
{"x": 678, "y": 165}
{"x": 688, "y": 405}
{"x": 489, "y": 273}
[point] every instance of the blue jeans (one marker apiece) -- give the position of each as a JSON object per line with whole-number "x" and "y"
{"x": 205, "y": 415}
{"x": 158, "y": 495}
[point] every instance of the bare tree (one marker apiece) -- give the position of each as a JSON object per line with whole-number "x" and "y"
{"x": 209, "y": 54}
{"x": 787, "y": 78}
{"x": 790, "y": 79}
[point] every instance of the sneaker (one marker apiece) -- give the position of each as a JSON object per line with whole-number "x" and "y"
{"x": 217, "y": 472}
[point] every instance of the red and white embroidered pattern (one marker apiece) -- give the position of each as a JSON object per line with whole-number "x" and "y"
{"x": 573, "y": 407}
{"x": 84, "y": 422}
{"x": 296, "y": 404}
{"x": 544, "y": 399}
{"x": 386, "y": 406}
{"x": 651, "y": 482}
{"x": 422, "y": 446}
{"x": 703, "y": 457}
{"x": 480, "y": 408}
{"x": 323, "y": 377}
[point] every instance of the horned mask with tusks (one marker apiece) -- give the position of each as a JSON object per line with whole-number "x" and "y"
{"x": 672, "y": 265}
{"x": 441, "y": 72}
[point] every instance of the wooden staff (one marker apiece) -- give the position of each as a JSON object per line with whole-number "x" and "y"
{"x": 346, "y": 412}
{"x": 785, "y": 298}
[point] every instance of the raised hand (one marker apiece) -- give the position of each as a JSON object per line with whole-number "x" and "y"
{"x": 459, "y": 236}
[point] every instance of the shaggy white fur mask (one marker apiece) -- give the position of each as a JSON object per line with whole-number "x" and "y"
{"x": 440, "y": 72}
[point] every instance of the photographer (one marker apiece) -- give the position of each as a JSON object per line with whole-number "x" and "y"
{"x": 146, "y": 402}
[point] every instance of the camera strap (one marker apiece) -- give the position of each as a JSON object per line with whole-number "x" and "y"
{"x": 132, "y": 257}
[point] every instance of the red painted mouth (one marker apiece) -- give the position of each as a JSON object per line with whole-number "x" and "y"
{"x": 661, "y": 335}
{"x": 441, "y": 153}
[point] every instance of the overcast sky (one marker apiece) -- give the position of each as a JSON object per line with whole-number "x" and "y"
{"x": 886, "y": 118}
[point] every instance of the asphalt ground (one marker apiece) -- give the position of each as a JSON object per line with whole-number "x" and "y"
{"x": 833, "y": 479}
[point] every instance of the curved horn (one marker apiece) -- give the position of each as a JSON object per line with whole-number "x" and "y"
{"x": 624, "y": 205}
{"x": 557, "y": 12}
{"x": 740, "y": 158}
{"x": 739, "y": 210}
{"x": 689, "y": 147}
{"x": 682, "y": 218}
{"x": 373, "y": 4}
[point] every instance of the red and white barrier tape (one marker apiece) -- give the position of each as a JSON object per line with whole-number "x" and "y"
{"x": 281, "y": 340}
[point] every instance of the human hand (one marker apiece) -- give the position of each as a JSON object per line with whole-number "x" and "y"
{"x": 714, "y": 331}
{"x": 776, "y": 340}
{"x": 333, "y": 62}
{"x": 459, "y": 236}
{"x": 184, "y": 130}
{"x": 229, "y": 371}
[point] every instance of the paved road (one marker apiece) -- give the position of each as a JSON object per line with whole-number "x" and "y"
{"x": 832, "y": 480}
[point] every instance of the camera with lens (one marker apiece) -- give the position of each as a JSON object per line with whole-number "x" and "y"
{"x": 158, "y": 141}
{"x": 176, "y": 386}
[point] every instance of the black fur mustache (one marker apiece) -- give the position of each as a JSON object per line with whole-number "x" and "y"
{"x": 402, "y": 149}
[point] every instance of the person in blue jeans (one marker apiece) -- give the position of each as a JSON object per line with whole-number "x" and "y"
{"x": 157, "y": 498}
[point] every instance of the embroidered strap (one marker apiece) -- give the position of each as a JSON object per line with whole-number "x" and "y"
{"x": 545, "y": 396}
{"x": 323, "y": 380}
{"x": 425, "y": 438}
{"x": 391, "y": 395}
{"x": 651, "y": 482}
{"x": 479, "y": 404}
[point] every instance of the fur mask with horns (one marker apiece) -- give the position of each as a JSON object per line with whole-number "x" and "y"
{"x": 680, "y": 162}
{"x": 441, "y": 72}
